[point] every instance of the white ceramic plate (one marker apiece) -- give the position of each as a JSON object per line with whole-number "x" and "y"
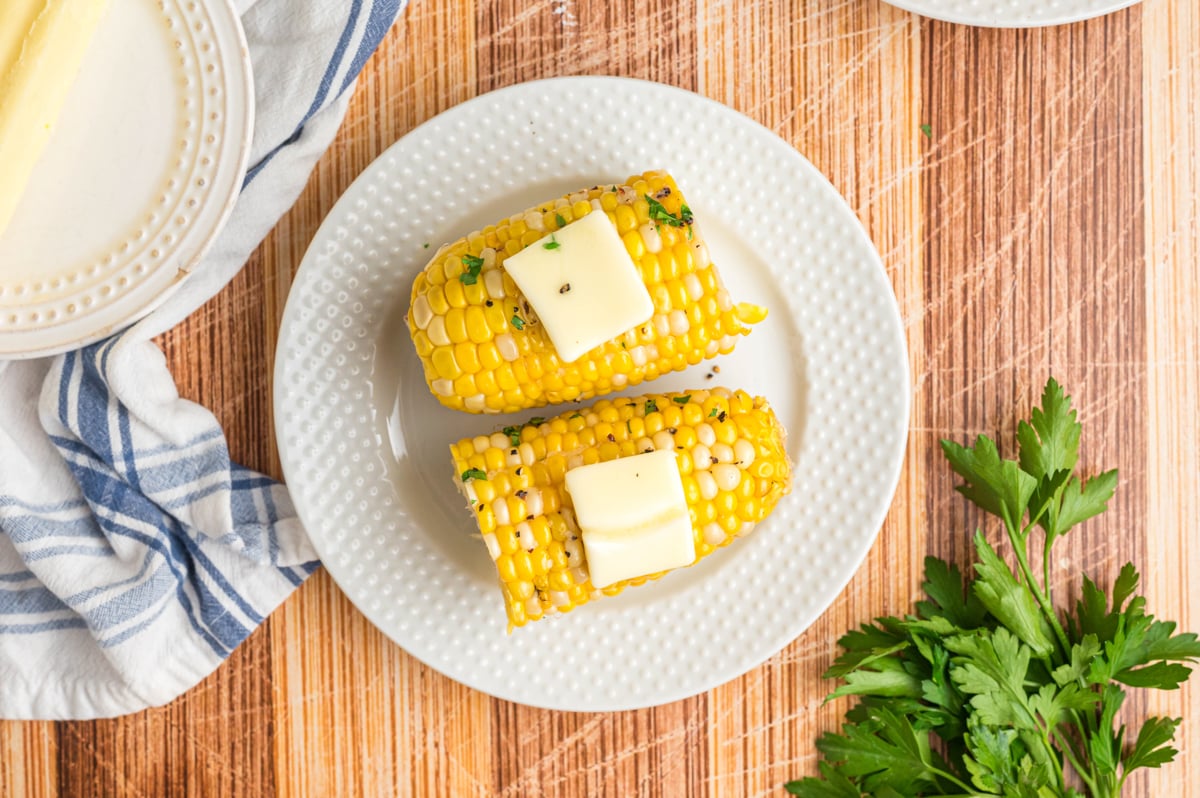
{"x": 1012, "y": 13}
{"x": 143, "y": 168}
{"x": 364, "y": 444}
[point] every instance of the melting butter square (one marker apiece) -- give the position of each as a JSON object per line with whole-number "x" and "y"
{"x": 633, "y": 515}
{"x": 582, "y": 284}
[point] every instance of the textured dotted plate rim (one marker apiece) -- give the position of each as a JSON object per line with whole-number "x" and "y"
{"x": 1012, "y": 13}
{"x": 122, "y": 283}
{"x": 664, "y": 641}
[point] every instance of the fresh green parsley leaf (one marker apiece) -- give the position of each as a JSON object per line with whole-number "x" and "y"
{"x": 535, "y": 421}
{"x": 514, "y": 435}
{"x": 1081, "y": 501}
{"x": 944, "y": 586}
{"x": 651, "y": 406}
{"x": 712, "y": 413}
{"x": 517, "y": 322}
{"x": 681, "y": 400}
{"x": 927, "y": 129}
{"x": 577, "y": 415}
{"x": 552, "y": 244}
{"x": 1009, "y": 601}
{"x": 426, "y": 245}
{"x": 660, "y": 215}
{"x": 998, "y": 486}
{"x": 832, "y": 784}
{"x": 558, "y": 217}
{"x": 473, "y": 473}
{"x": 1049, "y": 441}
{"x": 1151, "y": 749}
{"x": 473, "y": 266}
{"x": 885, "y": 751}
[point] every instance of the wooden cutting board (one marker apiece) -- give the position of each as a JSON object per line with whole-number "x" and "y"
{"x": 1047, "y": 224}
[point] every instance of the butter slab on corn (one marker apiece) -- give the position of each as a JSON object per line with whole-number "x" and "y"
{"x": 583, "y": 286}
{"x": 634, "y": 517}
{"x": 42, "y": 43}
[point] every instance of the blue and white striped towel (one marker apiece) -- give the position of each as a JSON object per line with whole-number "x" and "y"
{"x": 134, "y": 555}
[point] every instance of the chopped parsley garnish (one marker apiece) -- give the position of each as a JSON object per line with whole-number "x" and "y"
{"x": 712, "y": 413}
{"x": 426, "y": 245}
{"x": 551, "y": 244}
{"x": 473, "y": 473}
{"x": 681, "y": 400}
{"x": 514, "y": 435}
{"x": 651, "y": 406}
{"x": 660, "y": 215}
{"x": 575, "y": 416}
{"x": 927, "y": 129}
{"x": 628, "y": 428}
{"x": 536, "y": 420}
{"x": 558, "y": 217}
{"x": 474, "y": 265}
{"x": 517, "y": 322}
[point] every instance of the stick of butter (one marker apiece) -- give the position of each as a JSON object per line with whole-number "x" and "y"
{"x": 42, "y": 43}
{"x": 633, "y": 515}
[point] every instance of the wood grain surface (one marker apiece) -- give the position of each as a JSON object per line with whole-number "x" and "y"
{"x": 1048, "y": 224}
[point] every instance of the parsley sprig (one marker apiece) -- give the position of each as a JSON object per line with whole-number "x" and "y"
{"x": 991, "y": 691}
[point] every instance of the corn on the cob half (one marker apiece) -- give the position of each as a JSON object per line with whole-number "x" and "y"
{"x": 729, "y": 446}
{"x": 480, "y": 342}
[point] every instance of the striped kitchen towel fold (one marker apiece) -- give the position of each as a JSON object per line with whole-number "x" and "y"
{"x": 134, "y": 554}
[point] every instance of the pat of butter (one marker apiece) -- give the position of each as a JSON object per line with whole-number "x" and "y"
{"x": 42, "y": 43}
{"x": 582, "y": 284}
{"x": 633, "y": 515}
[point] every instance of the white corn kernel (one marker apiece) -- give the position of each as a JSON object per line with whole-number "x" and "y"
{"x": 493, "y": 545}
{"x": 493, "y": 281}
{"x": 500, "y": 509}
{"x": 723, "y": 452}
{"x": 437, "y": 332}
{"x": 533, "y": 502}
{"x": 422, "y": 313}
{"x": 662, "y": 325}
{"x": 525, "y": 538}
{"x": 482, "y": 443}
{"x": 651, "y": 238}
{"x": 701, "y": 457}
{"x": 713, "y": 534}
{"x": 476, "y": 403}
{"x": 743, "y": 452}
{"x": 442, "y": 387}
{"x": 707, "y": 485}
{"x": 705, "y": 434}
{"x": 664, "y": 440}
{"x": 508, "y": 347}
{"x": 679, "y": 322}
{"x": 727, "y": 476}
{"x": 693, "y": 285}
